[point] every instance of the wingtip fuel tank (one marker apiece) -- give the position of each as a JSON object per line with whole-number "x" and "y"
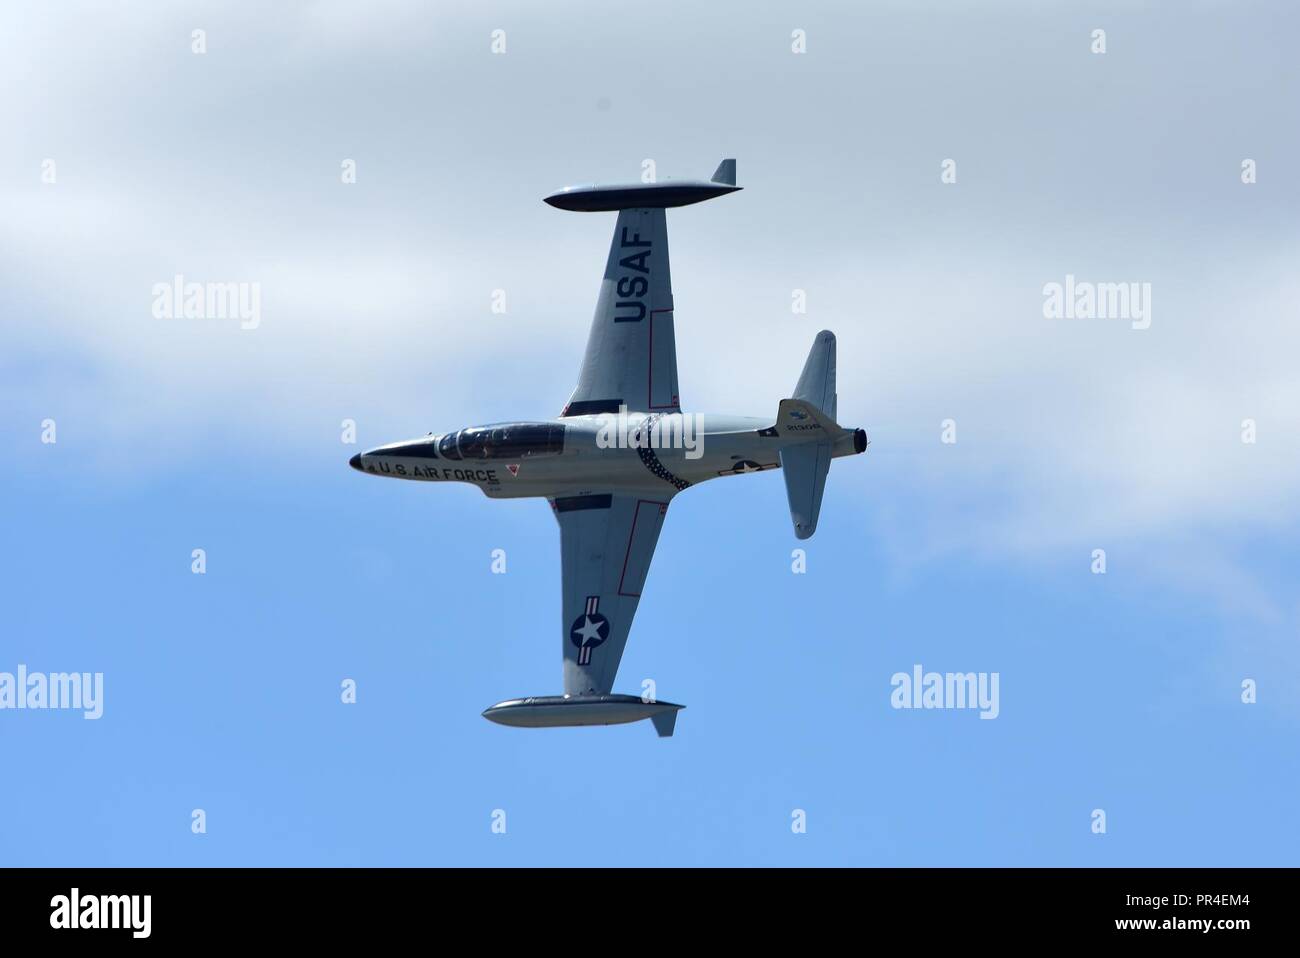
{"x": 551, "y": 711}
{"x": 595, "y": 198}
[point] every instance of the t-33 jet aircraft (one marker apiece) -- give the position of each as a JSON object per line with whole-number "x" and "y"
{"x": 622, "y": 448}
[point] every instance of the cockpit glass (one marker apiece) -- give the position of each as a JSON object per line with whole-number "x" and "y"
{"x": 526, "y": 440}
{"x": 473, "y": 443}
{"x": 447, "y": 446}
{"x": 508, "y": 441}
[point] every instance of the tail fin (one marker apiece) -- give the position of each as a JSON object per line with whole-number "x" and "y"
{"x": 817, "y": 383}
{"x": 809, "y": 419}
{"x": 725, "y": 173}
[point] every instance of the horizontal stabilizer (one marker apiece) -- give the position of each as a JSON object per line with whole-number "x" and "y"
{"x": 807, "y": 420}
{"x": 805, "y": 467}
{"x": 817, "y": 382}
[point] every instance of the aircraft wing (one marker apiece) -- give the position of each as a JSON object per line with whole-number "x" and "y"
{"x": 606, "y": 543}
{"x": 631, "y": 356}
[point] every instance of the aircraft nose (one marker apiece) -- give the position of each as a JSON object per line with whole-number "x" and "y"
{"x": 355, "y": 462}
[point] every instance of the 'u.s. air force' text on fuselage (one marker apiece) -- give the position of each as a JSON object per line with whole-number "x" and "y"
{"x": 430, "y": 472}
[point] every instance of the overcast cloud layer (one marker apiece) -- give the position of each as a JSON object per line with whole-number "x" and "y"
{"x": 1123, "y": 167}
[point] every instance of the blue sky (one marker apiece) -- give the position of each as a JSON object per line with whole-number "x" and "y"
{"x": 1119, "y": 691}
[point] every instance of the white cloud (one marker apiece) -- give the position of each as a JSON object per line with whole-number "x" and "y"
{"x": 375, "y": 296}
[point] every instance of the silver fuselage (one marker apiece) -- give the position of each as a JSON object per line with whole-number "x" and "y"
{"x": 663, "y": 452}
